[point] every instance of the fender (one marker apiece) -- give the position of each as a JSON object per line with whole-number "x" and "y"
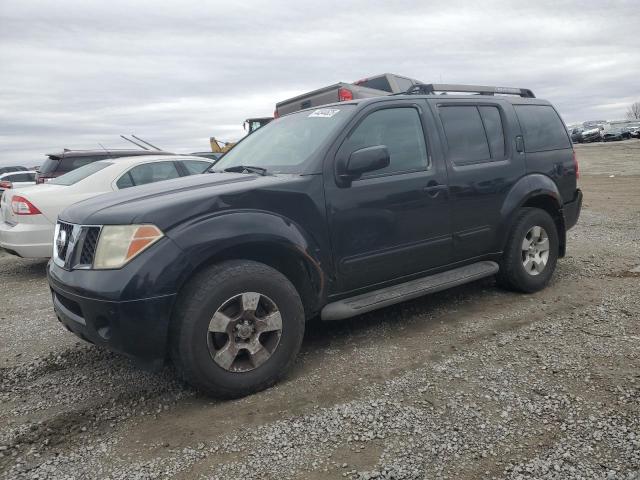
{"x": 525, "y": 189}
{"x": 203, "y": 239}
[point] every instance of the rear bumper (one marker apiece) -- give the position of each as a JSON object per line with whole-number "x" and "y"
{"x": 137, "y": 328}
{"x": 571, "y": 210}
{"x": 27, "y": 240}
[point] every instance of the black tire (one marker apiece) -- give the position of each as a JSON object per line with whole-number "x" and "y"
{"x": 512, "y": 274}
{"x": 199, "y": 301}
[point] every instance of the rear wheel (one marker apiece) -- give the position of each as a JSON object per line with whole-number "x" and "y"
{"x": 237, "y": 329}
{"x": 531, "y": 253}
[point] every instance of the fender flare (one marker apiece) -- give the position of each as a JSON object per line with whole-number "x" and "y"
{"x": 203, "y": 239}
{"x": 527, "y": 188}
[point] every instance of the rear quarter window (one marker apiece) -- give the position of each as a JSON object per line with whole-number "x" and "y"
{"x": 542, "y": 128}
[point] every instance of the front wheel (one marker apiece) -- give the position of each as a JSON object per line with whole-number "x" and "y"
{"x": 237, "y": 328}
{"x": 531, "y": 253}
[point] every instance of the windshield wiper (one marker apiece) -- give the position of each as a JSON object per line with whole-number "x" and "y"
{"x": 246, "y": 168}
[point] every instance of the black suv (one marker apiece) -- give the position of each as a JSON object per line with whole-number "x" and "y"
{"x": 328, "y": 212}
{"x": 58, "y": 164}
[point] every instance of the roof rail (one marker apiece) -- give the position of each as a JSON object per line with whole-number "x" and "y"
{"x": 424, "y": 88}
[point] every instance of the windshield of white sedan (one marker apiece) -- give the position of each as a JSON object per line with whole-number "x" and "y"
{"x": 286, "y": 144}
{"x": 74, "y": 176}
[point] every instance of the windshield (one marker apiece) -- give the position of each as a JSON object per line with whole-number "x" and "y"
{"x": 286, "y": 144}
{"x": 74, "y": 176}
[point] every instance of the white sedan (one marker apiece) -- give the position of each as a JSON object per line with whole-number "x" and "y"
{"x": 28, "y": 215}
{"x": 17, "y": 179}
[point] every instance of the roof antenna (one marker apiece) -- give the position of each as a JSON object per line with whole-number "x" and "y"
{"x": 108, "y": 153}
{"x": 136, "y": 144}
{"x": 145, "y": 142}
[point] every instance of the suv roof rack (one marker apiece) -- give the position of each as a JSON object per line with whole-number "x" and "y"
{"x": 429, "y": 88}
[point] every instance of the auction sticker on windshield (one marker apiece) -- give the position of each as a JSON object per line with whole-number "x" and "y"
{"x": 324, "y": 112}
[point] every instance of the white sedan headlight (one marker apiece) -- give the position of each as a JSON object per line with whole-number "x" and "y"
{"x": 118, "y": 244}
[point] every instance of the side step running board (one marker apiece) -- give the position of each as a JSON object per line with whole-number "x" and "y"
{"x": 367, "y": 302}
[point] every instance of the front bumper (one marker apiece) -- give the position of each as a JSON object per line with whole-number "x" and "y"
{"x": 126, "y": 310}
{"x": 27, "y": 240}
{"x": 137, "y": 328}
{"x": 571, "y": 210}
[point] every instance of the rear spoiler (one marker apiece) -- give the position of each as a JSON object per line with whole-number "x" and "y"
{"x": 430, "y": 88}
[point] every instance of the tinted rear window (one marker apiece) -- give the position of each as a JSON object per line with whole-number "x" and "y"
{"x": 542, "y": 128}
{"x": 379, "y": 83}
{"x": 404, "y": 84}
{"x": 49, "y": 166}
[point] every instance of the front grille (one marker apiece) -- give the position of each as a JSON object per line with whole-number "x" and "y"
{"x": 75, "y": 245}
{"x": 63, "y": 239}
{"x": 89, "y": 245}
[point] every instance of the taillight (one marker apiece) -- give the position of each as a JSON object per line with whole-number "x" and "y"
{"x": 576, "y": 167}
{"x": 344, "y": 94}
{"x": 40, "y": 179}
{"x": 22, "y": 206}
{"x": 276, "y": 114}
{"x": 6, "y": 185}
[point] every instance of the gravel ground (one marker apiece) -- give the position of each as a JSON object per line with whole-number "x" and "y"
{"x": 470, "y": 383}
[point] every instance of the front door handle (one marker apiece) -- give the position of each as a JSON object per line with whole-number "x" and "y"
{"x": 433, "y": 189}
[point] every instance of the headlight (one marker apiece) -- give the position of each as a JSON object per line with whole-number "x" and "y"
{"x": 118, "y": 244}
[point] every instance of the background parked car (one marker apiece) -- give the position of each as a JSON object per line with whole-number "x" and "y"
{"x": 60, "y": 163}
{"x": 17, "y": 179}
{"x": 591, "y": 135}
{"x": 13, "y": 168}
{"x": 611, "y": 134}
{"x": 376, "y": 86}
{"x": 28, "y": 215}
{"x": 576, "y": 135}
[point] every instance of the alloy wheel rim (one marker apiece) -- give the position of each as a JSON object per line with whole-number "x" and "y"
{"x": 535, "y": 250}
{"x": 244, "y": 332}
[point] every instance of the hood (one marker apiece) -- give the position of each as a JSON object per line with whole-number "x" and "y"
{"x": 169, "y": 202}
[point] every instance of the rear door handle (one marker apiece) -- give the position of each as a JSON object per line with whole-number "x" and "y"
{"x": 434, "y": 189}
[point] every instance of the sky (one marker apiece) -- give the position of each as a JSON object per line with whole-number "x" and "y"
{"x": 76, "y": 74}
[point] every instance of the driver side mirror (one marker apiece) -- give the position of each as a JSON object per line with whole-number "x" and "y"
{"x": 361, "y": 161}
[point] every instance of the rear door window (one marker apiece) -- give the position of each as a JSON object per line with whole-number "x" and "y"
{"x": 494, "y": 130}
{"x": 153, "y": 172}
{"x": 466, "y": 138}
{"x": 125, "y": 181}
{"x": 542, "y": 128}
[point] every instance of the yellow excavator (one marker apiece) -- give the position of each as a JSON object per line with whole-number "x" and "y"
{"x": 250, "y": 125}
